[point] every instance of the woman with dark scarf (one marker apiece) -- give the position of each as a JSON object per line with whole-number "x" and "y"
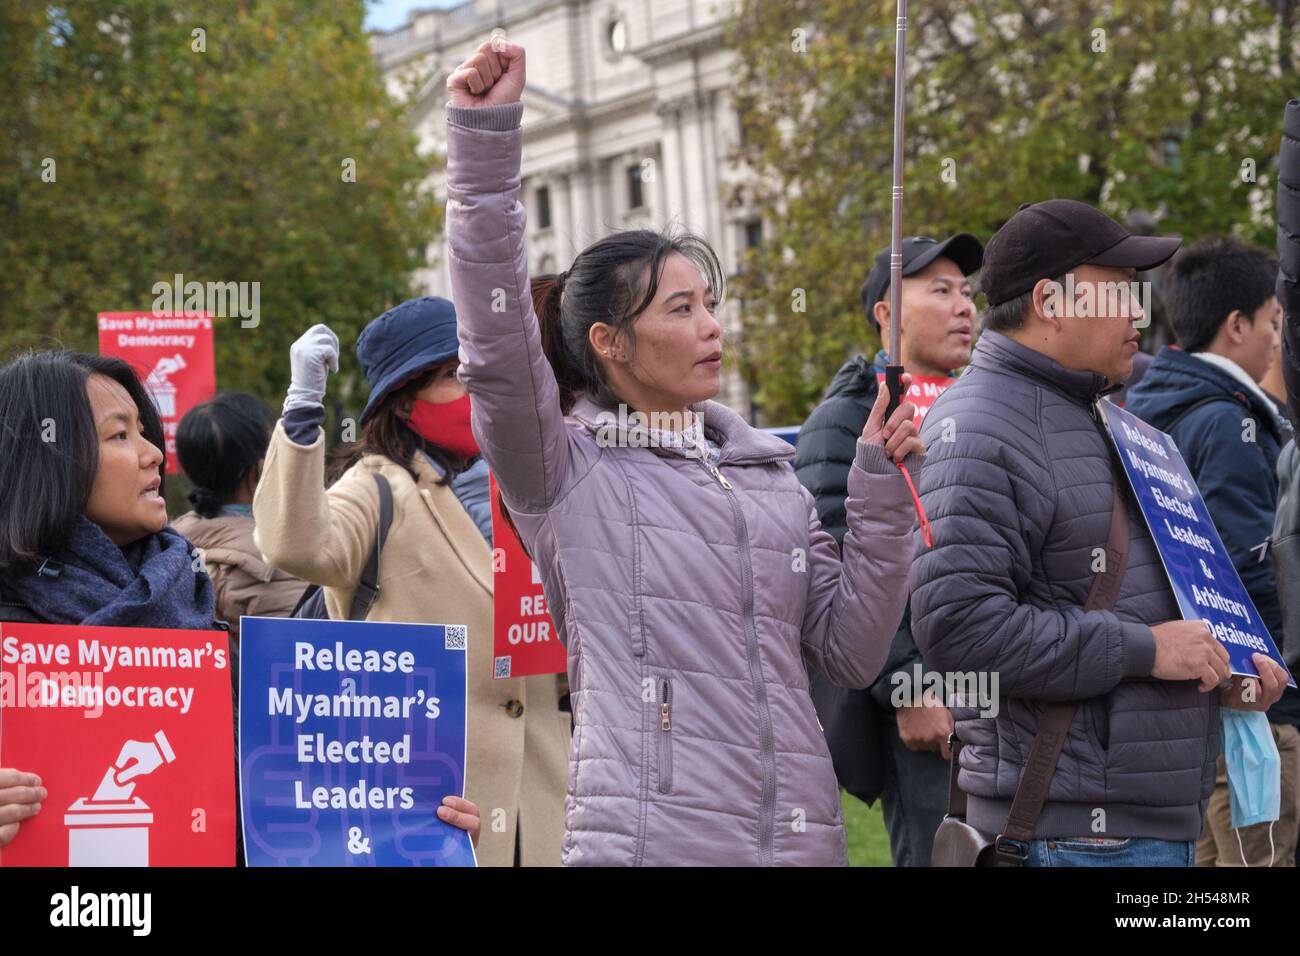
{"x": 84, "y": 537}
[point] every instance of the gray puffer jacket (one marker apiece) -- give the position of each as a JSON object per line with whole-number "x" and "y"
{"x": 688, "y": 595}
{"x": 1018, "y": 498}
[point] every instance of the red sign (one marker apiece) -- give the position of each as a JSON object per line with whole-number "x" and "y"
{"x": 923, "y": 391}
{"x": 524, "y": 639}
{"x": 171, "y": 354}
{"x": 131, "y": 732}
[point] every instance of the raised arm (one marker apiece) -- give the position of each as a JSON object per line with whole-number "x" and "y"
{"x": 515, "y": 401}
{"x": 319, "y": 536}
{"x": 301, "y": 528}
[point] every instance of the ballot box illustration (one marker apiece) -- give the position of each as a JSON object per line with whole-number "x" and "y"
{"x": 111, "y": 827}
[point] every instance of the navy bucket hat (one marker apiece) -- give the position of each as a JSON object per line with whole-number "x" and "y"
{"x": 408, "y": 338}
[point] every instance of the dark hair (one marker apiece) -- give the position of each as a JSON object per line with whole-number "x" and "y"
{"x": 1210, "y": 280}
{"x": 1007, "y": 316}
{"x": 218, "y": 443}
{"x": 384, "y": 433}
{"x": 1011, "y": 315}
{"x": 611, "y": 281}
{"x": 50, "y": 451}
{"x": 869, "y": 305}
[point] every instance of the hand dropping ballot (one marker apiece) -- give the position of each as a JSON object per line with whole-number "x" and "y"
{"x": 1200, "y": 570}
{"x": 131, "y": 732}
{"x": 111, "y": 828}
{"x": 351, "y": 733}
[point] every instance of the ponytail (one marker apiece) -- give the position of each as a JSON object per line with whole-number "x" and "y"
{"x": 510, "y": 522}
{"x": 547, "y": 292}
{"x": 205, "y": 501}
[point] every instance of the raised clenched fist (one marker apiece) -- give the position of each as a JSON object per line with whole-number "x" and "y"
{"x": 492, "y": 76}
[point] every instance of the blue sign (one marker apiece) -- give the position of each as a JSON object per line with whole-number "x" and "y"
{"x": 1200, "y": 571}
{"x": 350, "y": 735}
{"x": 788, "y": 433}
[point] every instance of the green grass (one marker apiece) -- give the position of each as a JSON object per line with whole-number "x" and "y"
{"x": 868, "y": 838}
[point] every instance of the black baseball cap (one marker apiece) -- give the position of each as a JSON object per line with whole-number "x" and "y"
{"x": 1045, "y": 240}
{"x": 918, "y": 252}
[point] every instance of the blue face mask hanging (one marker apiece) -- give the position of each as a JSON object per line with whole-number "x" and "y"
{"x": 1254, "y": 768}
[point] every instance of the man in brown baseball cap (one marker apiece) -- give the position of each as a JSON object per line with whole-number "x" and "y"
{"x": 1019, "y": 487}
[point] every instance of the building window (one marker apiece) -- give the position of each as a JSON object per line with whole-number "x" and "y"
{"x": 754, "y": 234}
{"x": 544, "y": 207}
{"x": 616, "y": 36}
{"x": 635, "y": 192}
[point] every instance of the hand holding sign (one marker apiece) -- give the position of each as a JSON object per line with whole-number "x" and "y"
{"x": 1186, "y": 650}
{"x": 461, "y": 813}
{"x": 1247, "y": 693}
{"x": 20, "y": 797}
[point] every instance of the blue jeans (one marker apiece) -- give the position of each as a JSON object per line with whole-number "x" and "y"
{"x": 1136, "y": 851}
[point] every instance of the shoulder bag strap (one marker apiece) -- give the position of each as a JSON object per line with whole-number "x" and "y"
{"x": 368, "y": 587}
{"x": 1036, "y": 777}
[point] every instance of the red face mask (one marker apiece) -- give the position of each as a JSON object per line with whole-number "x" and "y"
{"x": 445, "y": 424}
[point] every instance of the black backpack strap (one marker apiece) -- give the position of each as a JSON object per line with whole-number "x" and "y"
{"x": 307, "y": 601}
{"x": 368, "y": 587}
{"x": 1169, "y": 429}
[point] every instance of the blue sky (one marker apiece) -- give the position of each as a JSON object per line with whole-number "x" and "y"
{"x": 387, "y": 14}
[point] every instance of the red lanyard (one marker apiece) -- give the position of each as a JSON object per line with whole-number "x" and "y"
{"x": 926, "y": 534}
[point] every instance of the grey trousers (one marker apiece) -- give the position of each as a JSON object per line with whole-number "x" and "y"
{"x": 914, "y": 799}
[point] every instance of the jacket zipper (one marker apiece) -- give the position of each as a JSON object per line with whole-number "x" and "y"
{"x": 665, "y": 735}
{"x": 767, "y": 746}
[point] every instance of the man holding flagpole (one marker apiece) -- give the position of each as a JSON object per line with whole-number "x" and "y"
{"x": 885, "y": 742}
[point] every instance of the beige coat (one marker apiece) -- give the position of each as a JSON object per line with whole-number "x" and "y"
{"x": 437, "y": 569}
{"x": 243, "y": 582}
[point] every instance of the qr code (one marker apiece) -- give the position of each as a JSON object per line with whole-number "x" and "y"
{"x": 501, "y": 668}
{"x": 454, "y": 637}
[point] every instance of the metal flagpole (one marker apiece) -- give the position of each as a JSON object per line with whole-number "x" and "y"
{"x": 894, "y": 371}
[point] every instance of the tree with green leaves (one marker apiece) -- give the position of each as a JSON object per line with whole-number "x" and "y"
{"x": 235, "y": 142}
{"x": 1169, "y": 107}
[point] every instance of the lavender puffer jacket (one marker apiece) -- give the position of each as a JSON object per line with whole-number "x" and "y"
{"x": 689, "y": 596}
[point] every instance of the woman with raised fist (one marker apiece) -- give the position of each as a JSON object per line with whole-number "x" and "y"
{"x": 683, "y": 562}
{"x": 436, "y": 562}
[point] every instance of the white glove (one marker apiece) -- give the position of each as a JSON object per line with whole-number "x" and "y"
{"x": 311, "y": 359}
